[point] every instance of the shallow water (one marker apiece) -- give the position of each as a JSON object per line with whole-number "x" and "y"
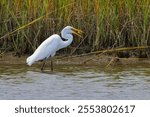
{"x": 75, "y": 82}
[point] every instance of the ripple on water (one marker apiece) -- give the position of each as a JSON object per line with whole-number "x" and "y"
{"x": 74, "y": 82}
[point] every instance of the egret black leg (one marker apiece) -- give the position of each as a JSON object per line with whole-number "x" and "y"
{"x": 44, "y": 61}
{"x": 52, "y": 68}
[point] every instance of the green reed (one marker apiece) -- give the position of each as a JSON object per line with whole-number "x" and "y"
{"x": 106, "y": 23}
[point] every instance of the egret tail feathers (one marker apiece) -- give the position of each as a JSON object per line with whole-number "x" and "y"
{"x": 30, "y": 60}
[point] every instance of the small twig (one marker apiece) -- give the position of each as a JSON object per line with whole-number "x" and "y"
{"x": 2, "y": 53}
{"x": 114, "y": 59}
{"x": 78, "y": 46}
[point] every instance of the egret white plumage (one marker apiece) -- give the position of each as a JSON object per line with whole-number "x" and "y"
{"x": 51, "y": 45}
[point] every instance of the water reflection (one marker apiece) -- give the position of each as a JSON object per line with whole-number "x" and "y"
{"x": 74, "y": 82}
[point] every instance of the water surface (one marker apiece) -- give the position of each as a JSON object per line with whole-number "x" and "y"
{"x": 75, "y": 82}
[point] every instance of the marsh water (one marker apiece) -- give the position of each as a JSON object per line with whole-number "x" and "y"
{"x": 74, "y": 82}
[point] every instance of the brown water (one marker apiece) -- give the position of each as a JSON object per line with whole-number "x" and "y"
{"x": 75, "y": 82}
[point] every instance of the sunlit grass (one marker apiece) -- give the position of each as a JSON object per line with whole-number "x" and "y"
{"x": 107, "y": 24}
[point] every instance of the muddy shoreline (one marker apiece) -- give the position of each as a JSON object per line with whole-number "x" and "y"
{"x": 102, "y": 60}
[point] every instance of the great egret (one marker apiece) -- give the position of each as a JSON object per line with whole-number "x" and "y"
{"x": 52, "y": 44}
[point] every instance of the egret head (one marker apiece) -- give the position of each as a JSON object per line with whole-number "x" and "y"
{"x": 71, "y": 30}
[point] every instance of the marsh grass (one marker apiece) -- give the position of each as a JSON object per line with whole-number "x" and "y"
{"x": 106, "y": 23}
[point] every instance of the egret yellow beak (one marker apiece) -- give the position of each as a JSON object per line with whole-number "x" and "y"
{"x": 77, "y": 31}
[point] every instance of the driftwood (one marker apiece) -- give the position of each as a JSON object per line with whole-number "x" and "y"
{"x": 107, "y": 51}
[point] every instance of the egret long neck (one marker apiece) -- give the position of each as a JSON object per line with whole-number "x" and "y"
{"x": 68, "y": 38}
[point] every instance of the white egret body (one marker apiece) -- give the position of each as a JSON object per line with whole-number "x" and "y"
{"x": 52, "y": 44}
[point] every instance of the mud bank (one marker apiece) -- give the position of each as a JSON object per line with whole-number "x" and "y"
{"x": 102, "y": 60}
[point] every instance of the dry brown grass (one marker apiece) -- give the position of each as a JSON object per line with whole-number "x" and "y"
{"x": 26, "y": 23}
